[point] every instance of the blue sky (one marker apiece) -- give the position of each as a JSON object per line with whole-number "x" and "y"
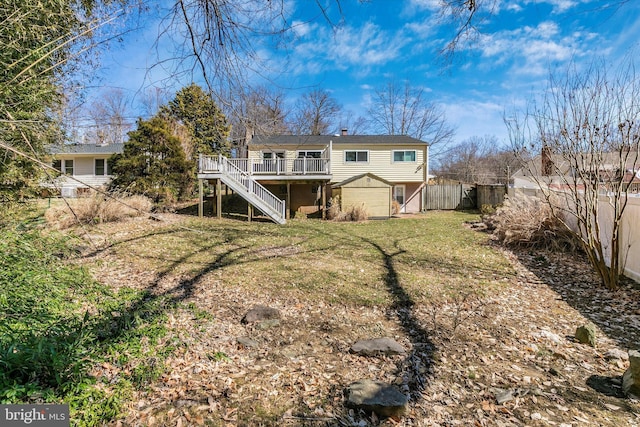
{"x": 379, "y": 40}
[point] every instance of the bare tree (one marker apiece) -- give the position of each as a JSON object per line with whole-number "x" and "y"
{"x": 586, "y": 129}
{"x": 259, "y": 111}
{"x": 478, "y": 160}
{"x": 110, "y": 116}
{"x": 354, "y": 125}
{"x": 315, "y": 113}
{"x": 152, "y": 99}
{"x": 405, "y": 110}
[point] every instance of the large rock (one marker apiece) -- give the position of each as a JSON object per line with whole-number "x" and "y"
{"x": 631, "y": 377}
{"x": 377, "y": 346}
{"x": 261, "y": 313}
{"x": 586, "y": 334}
{"x": 375, "y": 396}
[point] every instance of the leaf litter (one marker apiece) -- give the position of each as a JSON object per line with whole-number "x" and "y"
{"x": 518, "y": 345}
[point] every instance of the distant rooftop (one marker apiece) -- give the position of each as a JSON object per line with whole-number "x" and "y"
{"x": 85, "y": 149}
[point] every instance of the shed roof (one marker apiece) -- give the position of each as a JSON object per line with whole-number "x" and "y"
{"x": 357, "y": 177}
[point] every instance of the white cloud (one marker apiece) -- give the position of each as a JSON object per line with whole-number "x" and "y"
{"x": 301, "y": 29}
{"x": 533, "y": 49}
{"x": 367, "y": 45}
{"x": 347, "y": 47}
{"x": 419, "y": 5}
{"x": 559, "y": 6}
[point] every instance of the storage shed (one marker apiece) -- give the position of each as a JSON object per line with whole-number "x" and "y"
{"x": 368, "y": 189}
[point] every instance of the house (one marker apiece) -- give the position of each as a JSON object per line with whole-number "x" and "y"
{"x": 283, "y": 174}
{"x": 83, "y": 166}
{"x": 557, "y": 172}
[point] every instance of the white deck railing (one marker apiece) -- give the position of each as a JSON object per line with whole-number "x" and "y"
{"x": 302, "y": 166}
{"x": 241, "y": 178}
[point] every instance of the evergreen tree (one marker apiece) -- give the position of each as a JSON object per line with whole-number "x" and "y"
{"x": 207, "y": 126}
{"x": 153, "y": 163}
{"x": 42, "y": 43}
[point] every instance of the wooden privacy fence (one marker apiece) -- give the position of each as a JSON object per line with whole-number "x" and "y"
{"x": 450, "y": 197}
{"x": 462, "y": 196}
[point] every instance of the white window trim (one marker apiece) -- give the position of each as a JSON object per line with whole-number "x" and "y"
{"x": 402, "y": 161}
{"x": 308, "y": 151}
{"x": 104, "y": 167}
{"x": 344, "y": 157}
{"x": 73, "y": 166}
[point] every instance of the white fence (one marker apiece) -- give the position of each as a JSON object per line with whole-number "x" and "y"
{"x": 629, "y": 235}
{"x": 629, "y": 232}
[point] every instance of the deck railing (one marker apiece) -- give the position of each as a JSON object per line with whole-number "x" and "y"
{"x": 277, "y": 166}
{"x": 231, "y": 170}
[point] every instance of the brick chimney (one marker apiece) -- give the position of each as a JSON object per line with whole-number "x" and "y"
{"x": 344, "y": 132}
{"x": 547, "y": 162}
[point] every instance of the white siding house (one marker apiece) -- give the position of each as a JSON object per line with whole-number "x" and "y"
{"x": 82, "y": 166}
{"x": 303, "y": 170}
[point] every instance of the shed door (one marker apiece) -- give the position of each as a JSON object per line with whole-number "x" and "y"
{"x": 375, "y": 199}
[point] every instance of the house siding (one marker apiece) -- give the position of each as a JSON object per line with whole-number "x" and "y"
{"x": 83, "y": 171}
{"x": 380, "y": 163}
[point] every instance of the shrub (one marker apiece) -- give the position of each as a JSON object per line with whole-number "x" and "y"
{"x": 487, "y": 209}
{"x": 395, "y": 207}
{"x": 528, "y": 221}
{"x": 334, "y": 208}
{"x": 354, "y": 213}
{"x": 97, "y": 209}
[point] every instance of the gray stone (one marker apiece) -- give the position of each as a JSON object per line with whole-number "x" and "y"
{"x": 586, "y": 334}
{"x": 631, "y": 377}
{"x": 504, "y": 396}
{"x": 260, "y": 313}
{"x": 375, "y": 396}
{"x": 268, "y": 324}
{"x": 247, "y": 342}
{"x": 377, "y": 346}
{"x": 550, "y": 336}
{"x": 616, "y": 354}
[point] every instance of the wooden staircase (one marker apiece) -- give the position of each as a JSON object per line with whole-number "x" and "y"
{"x": 246, "y": 186}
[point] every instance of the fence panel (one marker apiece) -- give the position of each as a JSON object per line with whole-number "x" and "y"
{"x": 490, "y": 194}
{"x": 450, "y": 197}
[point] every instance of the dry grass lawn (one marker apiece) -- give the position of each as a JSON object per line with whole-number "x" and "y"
{"x": 475, "y": 320}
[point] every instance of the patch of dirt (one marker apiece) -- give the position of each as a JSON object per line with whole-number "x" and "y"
{"x": 517, "y": 345}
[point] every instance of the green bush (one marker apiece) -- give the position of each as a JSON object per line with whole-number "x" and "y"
{"x": 56, "y": 323}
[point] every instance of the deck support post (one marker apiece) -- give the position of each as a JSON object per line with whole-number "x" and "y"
{"x": 249, "y": 212}
{"x": 201, "y": 201}
{"x": 287, "y": 211}
{"x": 323, "y": 189}
{"x": 218, "y": 198}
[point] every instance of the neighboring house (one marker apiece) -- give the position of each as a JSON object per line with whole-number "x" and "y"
{"x": 302, "y": 173}
{"x": 82, "y": 165}
{"x": 552, "y": 171}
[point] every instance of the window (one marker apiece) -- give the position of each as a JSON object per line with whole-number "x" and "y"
{"x": 57, "y": 164}
{"x": 311, "y": 154}
{"x": 68, "y": 167}
{"x": 356, "y": 156}
{"x": 404, "y": 156}
{"x": 99, "y": 167}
